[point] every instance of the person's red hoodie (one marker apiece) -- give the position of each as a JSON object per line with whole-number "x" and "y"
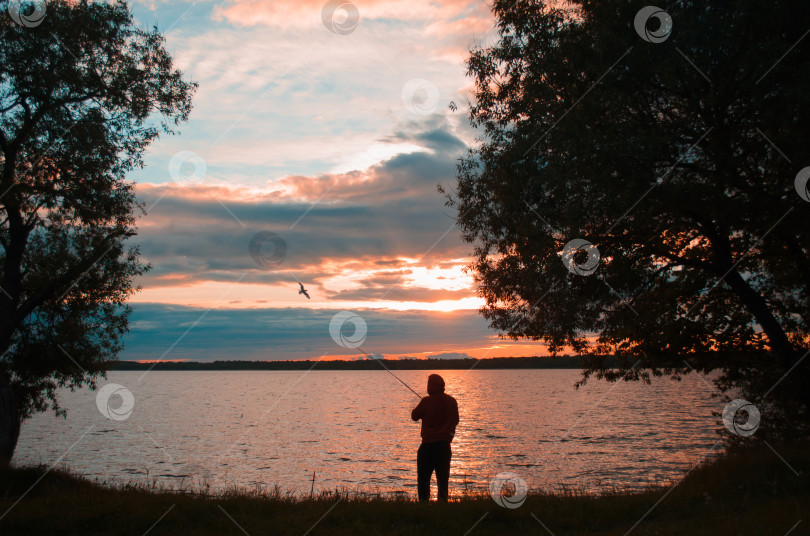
{"x": 438, "y": 411}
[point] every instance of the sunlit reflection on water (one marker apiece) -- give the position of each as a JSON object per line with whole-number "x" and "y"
{"x": 353, "y": 430}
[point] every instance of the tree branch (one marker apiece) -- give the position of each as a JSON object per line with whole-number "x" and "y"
{"x": 48, "y": 292}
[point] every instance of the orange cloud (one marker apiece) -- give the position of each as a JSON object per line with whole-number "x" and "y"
{"x": 308, "y": 12}
{"x": 236, "y": 295}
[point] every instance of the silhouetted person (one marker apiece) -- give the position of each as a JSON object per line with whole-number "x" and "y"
{"x": 439, "y": 414}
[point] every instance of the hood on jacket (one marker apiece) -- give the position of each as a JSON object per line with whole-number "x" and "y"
{"x": 435, "y": 384}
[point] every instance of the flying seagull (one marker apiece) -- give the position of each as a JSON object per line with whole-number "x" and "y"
{"x": 303, "y": 290}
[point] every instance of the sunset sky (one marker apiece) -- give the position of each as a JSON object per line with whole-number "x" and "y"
{"x": 335, "y": 140}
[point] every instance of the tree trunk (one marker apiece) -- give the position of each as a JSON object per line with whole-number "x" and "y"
{"x": 753, "y": 301}
{"x": 779, "y": 342}
{"x": 9, "y": 424}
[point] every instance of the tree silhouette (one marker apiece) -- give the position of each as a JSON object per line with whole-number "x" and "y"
{"x": 668, "y": 144}
{"x": 83, "y": 92}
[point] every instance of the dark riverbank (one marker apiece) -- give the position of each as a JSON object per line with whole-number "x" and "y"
{"x": 752, "y": 493}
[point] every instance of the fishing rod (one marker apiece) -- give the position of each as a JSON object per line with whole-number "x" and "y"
{"x": 368, "y": 355}
{"x": 304, "y": 292}
{"x": 281, "y": 245}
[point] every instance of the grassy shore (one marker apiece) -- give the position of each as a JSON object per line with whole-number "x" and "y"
{"x": 754, "y": 492}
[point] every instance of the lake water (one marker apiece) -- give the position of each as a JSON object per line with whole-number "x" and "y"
{"x": 353, "y": 429}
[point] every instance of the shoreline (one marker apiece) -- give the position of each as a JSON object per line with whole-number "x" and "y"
{"x": 744, "y": 492}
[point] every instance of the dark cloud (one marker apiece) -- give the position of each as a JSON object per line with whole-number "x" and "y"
{"x": 172, "y": 332}
{"x": 433, "y": 135}
{"x": 451, "y": 355}
{"x": 397, "y": 293}
{"x": 391, "y": 211}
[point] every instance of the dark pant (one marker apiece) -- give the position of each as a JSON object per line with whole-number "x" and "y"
{"x": 433, "y": 457}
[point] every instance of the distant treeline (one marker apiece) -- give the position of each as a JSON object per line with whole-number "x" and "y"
{"x": 561, "y": 362}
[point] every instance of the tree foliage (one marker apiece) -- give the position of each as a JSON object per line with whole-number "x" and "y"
{"x": 82, "y": 94}
{"x": 675, "y": 159}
